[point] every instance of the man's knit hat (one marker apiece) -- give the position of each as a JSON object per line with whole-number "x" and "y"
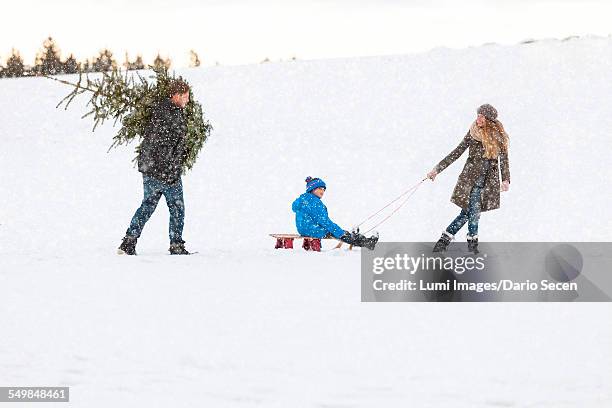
{"x": 314, "y": 183}
{"x": 488, "y": 111}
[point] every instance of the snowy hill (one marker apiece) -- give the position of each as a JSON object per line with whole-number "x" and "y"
{"x": 240, "y": 324}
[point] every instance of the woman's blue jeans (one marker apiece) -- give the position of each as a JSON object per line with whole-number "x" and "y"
{"x": 153, "y": 190}
{"x": 471, "y": 215}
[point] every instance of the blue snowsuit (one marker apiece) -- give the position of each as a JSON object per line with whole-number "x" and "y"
{"x": 311, "y": 217}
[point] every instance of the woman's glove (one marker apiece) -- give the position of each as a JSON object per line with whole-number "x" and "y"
{"x": 432, "y": 174}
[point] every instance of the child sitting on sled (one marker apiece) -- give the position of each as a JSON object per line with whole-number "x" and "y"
{"x": 311, "y": 219}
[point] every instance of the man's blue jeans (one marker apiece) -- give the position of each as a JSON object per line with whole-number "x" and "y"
{"x": 471, "y": 215}
{"x": 153, "y": 190}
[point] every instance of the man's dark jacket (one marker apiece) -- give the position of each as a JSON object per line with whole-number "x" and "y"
{"x": 163, "y": 149}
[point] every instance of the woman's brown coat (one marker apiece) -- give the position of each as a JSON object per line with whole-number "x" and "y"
{"x": 472, "y": 170}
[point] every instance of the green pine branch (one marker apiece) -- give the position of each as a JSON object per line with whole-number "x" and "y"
{"x": 127, "y": 99}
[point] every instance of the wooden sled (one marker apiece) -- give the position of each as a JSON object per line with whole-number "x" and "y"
{"x": 285, "y": 241}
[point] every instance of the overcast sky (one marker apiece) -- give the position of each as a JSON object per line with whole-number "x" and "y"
{"x": 242, "y": 31}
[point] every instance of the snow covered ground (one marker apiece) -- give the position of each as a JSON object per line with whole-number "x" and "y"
{"x": 243, "y": 325}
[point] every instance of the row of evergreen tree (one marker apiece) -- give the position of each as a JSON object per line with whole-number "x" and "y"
{"x": 49, "y": 62}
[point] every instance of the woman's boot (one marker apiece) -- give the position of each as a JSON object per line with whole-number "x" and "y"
{"x": 472, "y": 243}
{"x": 443, "y": 242}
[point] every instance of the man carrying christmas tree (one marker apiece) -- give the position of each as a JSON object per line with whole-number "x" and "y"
{"x": 160, "y": 160}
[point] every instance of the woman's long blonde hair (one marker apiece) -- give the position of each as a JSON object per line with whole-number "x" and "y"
{"x": 494, "y": 139}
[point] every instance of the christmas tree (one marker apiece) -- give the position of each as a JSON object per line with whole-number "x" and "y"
{"x": 48, "y": 60}
{"x": 128, "y": 99}
{"x": 14, "y": 65}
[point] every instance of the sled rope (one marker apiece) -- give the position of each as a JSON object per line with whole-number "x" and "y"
{"x": 407, "y": 194}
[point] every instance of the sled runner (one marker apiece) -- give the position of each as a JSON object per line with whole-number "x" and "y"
{"x": 285, "y": 241}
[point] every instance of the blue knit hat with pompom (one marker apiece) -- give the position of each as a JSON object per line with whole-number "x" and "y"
{"x": 314, "y": 183}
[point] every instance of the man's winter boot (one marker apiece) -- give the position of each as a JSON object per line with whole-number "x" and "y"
{"x": 128, "y": 246}
{"x": 472, "y": 244}
{"x": 178, "y": 248}
{"x": 443, "y": 242}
